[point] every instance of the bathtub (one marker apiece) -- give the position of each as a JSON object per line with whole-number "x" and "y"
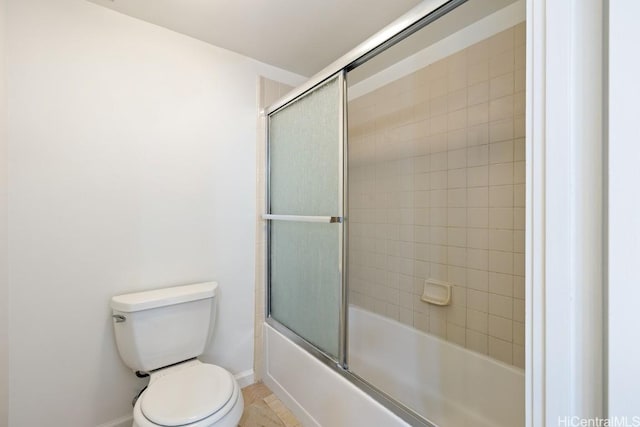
{"x": 445, "y": 383}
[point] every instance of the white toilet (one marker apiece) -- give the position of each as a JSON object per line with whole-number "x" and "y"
{"x": 162, "y": 332}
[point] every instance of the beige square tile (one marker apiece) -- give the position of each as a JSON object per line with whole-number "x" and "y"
{"x": 519, "y": 126}
{"x": 458, "y": 276}
{"x": 501, "y": 240}
{"x": 519, "y": 103}
{"x": 478, "y": 114}
{"x": 500, "y": 196}
{"x": 501, "y": 42}
{"x": 519, "y": 287}
{"x": 501, "y": 174}
{"x": 457, "y": 217}
{"x": 457, "y": 198}
{"x": 457, "y": 178}
{"x": 478, "y": 238}
{"x": 477, "y": 300}
{"x": 477, "y": 197}
{"x": 501, "y": 350}
{"x": 456, "y": 334}
{"x": 518, "y": 242}
{"x": 501, "y": 63}
{"x": 457, "y": 80}
{"x": 519, "y": 356}
{"x": 478, "y": 176}
{"x": 478, "y": 321}
{"x": 519, "y": 195}
{"x": 438, "y": 180}
{"x": 501, "y": 108}
{"x": 457, "y": 99}
{"x": 501, "y": 306}
{"x": 456, "y": 62}
{"x": 478, "y": 52}
{"x": 518, "y": 333}
{"x": 501, "y": 130}
{"x": 458, "y": 119}
{"x": 501, "y": 152}
{"x": 438, "y": 198}
{"x": 478, "y": 259}
{"x": 457, "y": 236}
{"x": 437, "y": 326}
{"x": 478, "y": 217}
{"x": 478, "y": 93}
{"x": 478, "y": 134}
{"x": 501, "y": 218}
{"x": 456, "y": 256}
{"x": 456, "y": 139}
{"x": 457, "y": 159}
{"x": 501, "y": 86}
{"x": 438, "y": 87}
{"x": 520, "y": 33}
{"x": 520, "y": 57}
{"x": 478, "y": 280}
{"x": 456, "y": 315}
{"x": 438, "y": 106}
{"x": 438, "y": 124}
{"x": 519, "y": 218}
{"x": 477, "y": 342}
{"x": 421, "y": 321}
{"x": 500, "y": 328}
{"x": 501, "y": 262}
{"x": 501, "y": 284}
{"x": 478, "y": 155}
{"x": 519, "y": 80}
{"x": 437, "y": 143}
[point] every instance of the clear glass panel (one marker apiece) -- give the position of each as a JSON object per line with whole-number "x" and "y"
{"x": 436, "y": 203}
{"x": 303, "y": 151}
{"x": 305, "y": 281}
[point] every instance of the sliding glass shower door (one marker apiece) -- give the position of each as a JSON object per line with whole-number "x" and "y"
{"x": 305, "y": 216}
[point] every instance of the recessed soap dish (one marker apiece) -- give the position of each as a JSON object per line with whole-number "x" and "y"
{"x": 436, "y": 292}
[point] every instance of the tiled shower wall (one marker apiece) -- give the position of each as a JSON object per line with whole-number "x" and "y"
{"x": 437, "y": 190}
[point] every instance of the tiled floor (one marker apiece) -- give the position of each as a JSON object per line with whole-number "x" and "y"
{"x": 263, "y": 409}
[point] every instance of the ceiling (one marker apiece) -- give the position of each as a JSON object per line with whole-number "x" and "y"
{"x": 302, "y": 36}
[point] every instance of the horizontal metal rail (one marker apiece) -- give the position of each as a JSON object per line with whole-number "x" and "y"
{"x": 303, "y": 218}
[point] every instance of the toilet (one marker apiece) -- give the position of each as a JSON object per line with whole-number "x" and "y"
{"x": 161, "y": 333}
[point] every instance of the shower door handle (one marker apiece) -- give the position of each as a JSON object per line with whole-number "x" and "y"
{"x": 303, "y": 218}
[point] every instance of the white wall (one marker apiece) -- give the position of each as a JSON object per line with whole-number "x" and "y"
{"x": 624, "y": 204}
{"x": 131, "y": 166}
{"x": 4, "y": 347}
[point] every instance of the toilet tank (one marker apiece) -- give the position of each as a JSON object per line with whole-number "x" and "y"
{"x": 161, "y": 327}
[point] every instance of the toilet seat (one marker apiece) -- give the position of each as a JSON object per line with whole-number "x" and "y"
{"x": 192, "y": 394}
{"x": 187, "y": 396}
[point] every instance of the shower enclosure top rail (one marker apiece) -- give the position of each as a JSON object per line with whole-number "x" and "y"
{"x": 412, "y": 21}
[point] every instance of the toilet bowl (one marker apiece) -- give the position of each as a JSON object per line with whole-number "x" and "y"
{"x": 190, "y": 394}
{"x": 162, "y": 332}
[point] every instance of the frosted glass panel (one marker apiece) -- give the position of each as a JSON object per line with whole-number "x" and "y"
{"x": 303, "y": 149}
{"x": 305, "y": 281}
{"x": 305, "y": 277}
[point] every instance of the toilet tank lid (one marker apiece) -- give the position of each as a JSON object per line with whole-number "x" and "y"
{"x": 146, "y": 300}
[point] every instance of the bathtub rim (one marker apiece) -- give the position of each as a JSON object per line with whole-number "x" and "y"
{"x": 402, "y": 411}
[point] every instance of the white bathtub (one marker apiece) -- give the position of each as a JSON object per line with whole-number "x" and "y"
{"x": 445, "y": 383}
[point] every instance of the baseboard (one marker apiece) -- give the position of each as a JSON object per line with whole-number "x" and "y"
{"x": 125, "y": 421}
{"x": 245, "y": 378}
